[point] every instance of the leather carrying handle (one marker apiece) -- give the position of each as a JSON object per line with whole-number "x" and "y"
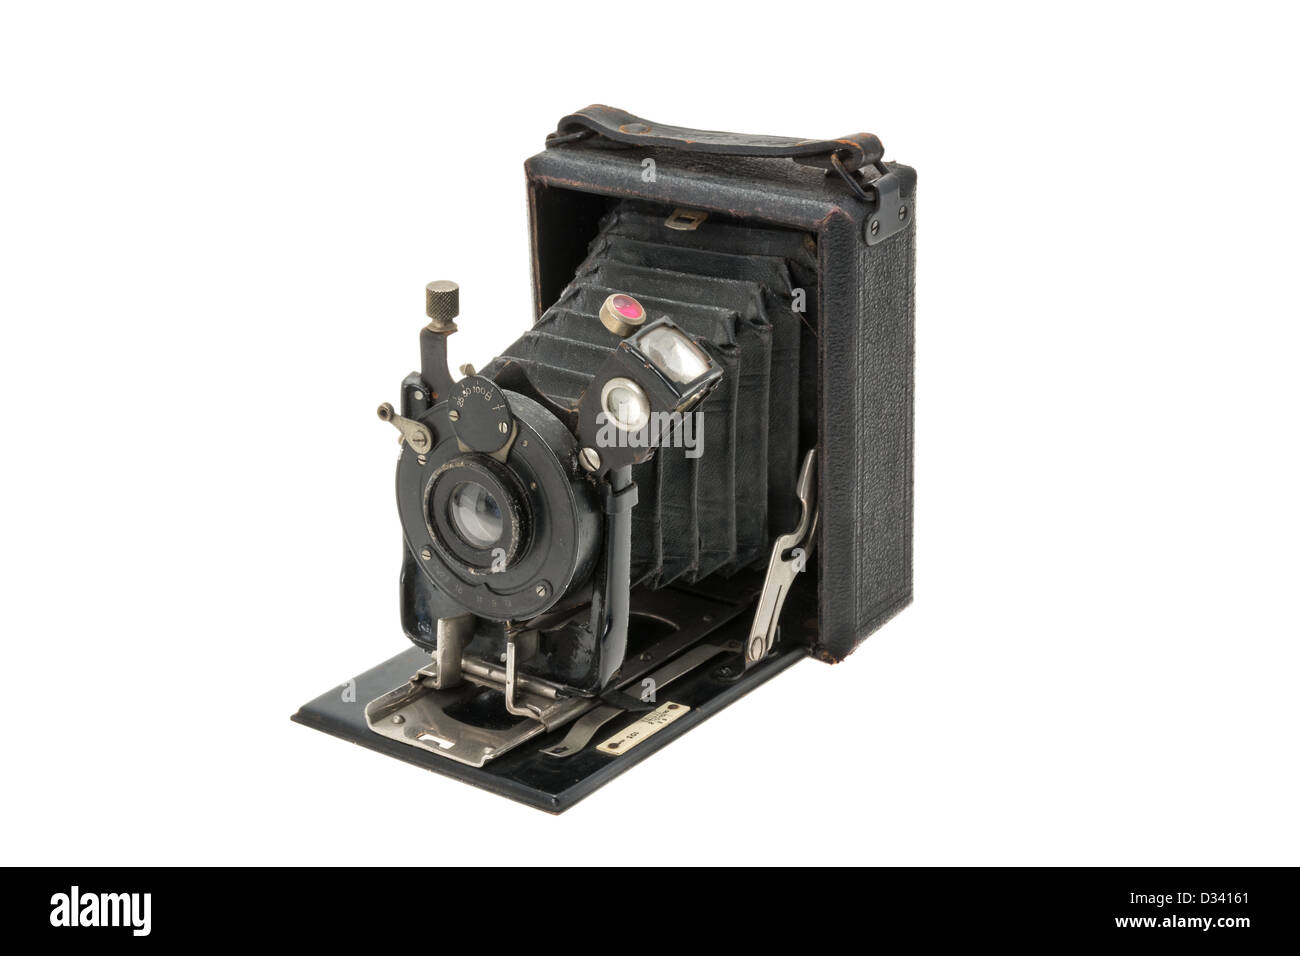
{"x": 617, "y": 126}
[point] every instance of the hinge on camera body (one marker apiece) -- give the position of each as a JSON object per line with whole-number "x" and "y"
{"x": 891, "y": 214}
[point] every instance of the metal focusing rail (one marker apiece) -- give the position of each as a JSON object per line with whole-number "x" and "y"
{"x": 586, "y": 727}
{"x": 420, "y": 712}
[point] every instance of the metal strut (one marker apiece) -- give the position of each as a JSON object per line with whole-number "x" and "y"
{"x": 790, "y": 555}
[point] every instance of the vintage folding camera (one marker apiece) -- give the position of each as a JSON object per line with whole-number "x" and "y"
{"x": 693, "y": 471}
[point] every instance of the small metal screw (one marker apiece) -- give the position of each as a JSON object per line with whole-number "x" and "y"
{"x": 421, "y": 459}
{"x": 426, "y": 553}
{"x": 902, "y": 213}
{"x": 503, "y": 427}
{"x": 589, "y": 459}
{"x": 875, "y": 226}
{"x": 756, "y": 648}
{"x": 541, "y": 590}
{"x": 398, "y": 719}
{"x": 454, "y": 415}
{"x": 418, "y": 395}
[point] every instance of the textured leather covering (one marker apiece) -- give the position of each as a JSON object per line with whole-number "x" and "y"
{"x": 866, "y": 434}
{"x": 855, "y": 388}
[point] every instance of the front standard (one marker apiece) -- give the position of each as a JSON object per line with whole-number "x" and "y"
{"x": 694, "y": 470}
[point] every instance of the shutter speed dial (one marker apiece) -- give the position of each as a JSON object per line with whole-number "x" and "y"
{"x": 480, "y": 415}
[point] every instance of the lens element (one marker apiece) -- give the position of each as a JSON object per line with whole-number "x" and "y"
{"x": 475, "y": 514}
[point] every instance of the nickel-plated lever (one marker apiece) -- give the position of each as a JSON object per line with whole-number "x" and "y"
{"x": 785, "y": 564}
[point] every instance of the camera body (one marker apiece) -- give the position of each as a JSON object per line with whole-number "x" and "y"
{"x": 694, "y": 469}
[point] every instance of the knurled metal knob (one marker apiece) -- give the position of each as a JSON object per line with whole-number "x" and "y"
{"x": 442, "y": 303}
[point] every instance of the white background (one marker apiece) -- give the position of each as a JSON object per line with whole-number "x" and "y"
{"x": 217, "y": 222}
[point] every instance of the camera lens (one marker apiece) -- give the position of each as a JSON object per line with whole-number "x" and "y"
{"x": 475, "y": 514}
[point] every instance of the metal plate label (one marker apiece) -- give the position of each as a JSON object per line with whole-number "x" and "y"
{"x": 643, "y": 729}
